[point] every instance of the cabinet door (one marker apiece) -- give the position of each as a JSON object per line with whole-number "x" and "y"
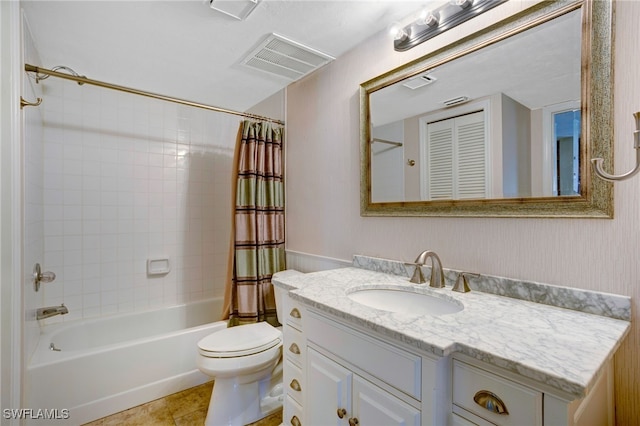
{"x": 456, "y": 158}
{"x": 329, "y": 391}
{"x": 373, "y": 406}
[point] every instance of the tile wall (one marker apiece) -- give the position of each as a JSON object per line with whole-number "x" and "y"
{"x": 127, "y": 179}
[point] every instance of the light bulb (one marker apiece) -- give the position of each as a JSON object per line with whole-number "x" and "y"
{"x": 428, "y": 18}
{"x": 462, "y": 3}
{"x": 397, "y": 32}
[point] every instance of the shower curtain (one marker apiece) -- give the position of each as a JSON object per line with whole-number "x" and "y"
{"x": 257, "y": 249}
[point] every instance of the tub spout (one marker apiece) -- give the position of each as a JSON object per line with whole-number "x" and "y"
{"x": 51, "y": 311}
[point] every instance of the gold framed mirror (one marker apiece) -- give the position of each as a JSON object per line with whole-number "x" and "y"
{"x": 512, "y": 140}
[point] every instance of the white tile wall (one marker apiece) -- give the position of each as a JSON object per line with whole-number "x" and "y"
{"x": 128, "y": 178}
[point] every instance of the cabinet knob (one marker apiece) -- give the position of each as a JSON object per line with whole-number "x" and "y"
{"x": 295, "y": 313}
{"x": 294, "y": 348}
{"x": 295, "y": 385}
{"x": 342, "y": 412}
{"x": 295, "y": 421}
{"x": 353, "y": 421}
{"x": 491, "y": 402}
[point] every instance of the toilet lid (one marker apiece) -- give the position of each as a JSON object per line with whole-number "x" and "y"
{"x": 240, "y": 341}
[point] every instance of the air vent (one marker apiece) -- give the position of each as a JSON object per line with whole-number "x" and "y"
{"x": 281, "y": 56}
{"x": 419, "y": 81}
{"x": 456, "y": 101}
{"x": 238, "y": 9}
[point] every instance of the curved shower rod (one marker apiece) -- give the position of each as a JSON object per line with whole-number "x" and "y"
{"x": 597, "y": 162}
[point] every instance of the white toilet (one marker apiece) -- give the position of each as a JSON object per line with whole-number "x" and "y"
{"x": 246, "y": 364}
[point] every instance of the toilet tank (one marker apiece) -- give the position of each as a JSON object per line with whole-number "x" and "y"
{"x": 281, "y": 293}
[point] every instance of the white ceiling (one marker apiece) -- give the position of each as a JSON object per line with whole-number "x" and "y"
{"x": 187, "y": 50}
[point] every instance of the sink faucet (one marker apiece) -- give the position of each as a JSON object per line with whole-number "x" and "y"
{"x": 437, "y": 276}
{"x": 51, "y": 311}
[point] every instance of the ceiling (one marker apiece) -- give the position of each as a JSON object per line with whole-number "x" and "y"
{"x": 187, "y": 50}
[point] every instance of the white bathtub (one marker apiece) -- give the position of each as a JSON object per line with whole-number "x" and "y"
{"x": 110, "y": 364}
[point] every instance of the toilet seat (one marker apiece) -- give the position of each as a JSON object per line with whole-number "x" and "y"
{"x": 240, "y": 341}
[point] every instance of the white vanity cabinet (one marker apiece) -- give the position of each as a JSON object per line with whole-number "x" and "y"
{"x": 543, "y": 365}
{"x": 351, "y": 377}
{"x": 294, "y": 351}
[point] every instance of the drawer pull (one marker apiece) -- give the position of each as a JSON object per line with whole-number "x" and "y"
{"x": 295, "y": 421}
{"x": 294, "y": 348}
{"x": 295, "y": 385}
{"x": 353, "y": 421}
{"x": 295, "y": 313}
{"x": 490, "y": 401}
{"x": 342, "y": 412}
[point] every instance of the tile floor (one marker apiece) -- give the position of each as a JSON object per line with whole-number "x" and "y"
{"x": 186, "y": 408}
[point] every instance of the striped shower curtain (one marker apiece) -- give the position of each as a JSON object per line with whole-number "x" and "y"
{"x": 257, "y": 250}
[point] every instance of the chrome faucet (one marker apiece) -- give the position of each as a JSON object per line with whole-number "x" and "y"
{"x": 437, "y": 276}
{"x": 51, "y": 311}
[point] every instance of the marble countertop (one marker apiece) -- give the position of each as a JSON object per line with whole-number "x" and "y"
{"x": 562, "y": 348}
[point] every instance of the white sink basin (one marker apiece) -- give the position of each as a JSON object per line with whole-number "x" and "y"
{"x": 406, "y": 301}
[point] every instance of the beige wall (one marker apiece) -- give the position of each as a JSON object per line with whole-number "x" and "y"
{"x": 323, "y": 187}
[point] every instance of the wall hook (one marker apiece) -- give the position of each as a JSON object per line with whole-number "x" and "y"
{"x": 24, "y": 103}
{"x": 597, "y": 162}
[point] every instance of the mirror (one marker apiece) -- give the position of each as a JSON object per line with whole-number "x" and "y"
{"x": 501, "y": 123}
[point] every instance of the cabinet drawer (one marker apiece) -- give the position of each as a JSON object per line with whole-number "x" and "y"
{"x": 292, "y": 413}
{"x": 388, "y": 363}
{"x": 293, "y": 381}
{"x": 294, "y": 313}
{"x": 295, "y": 346}
{"x": 524, "y": 405}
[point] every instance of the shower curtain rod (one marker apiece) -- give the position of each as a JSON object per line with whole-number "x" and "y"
{"x": 83, "y": 80}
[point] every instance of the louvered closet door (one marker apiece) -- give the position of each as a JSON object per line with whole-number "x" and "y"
{"x": 456, "y": 158}
{"x": 440, "y": 160}
{"x": 471, "y": 167}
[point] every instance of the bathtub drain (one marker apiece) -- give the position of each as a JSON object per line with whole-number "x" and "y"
{"x": 52, "y": 347}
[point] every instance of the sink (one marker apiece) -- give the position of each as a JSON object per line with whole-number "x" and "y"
{"x": 404, "y": 301}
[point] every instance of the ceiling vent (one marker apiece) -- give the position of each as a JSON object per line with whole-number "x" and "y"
{"x": 456, "y": 101}
{"x": 419, "y": 81}
{"x": 286, "y": 58}
{"x": 238, "y": 9}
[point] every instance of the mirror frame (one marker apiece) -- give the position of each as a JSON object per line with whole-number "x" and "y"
{"x": 596, "y": 199}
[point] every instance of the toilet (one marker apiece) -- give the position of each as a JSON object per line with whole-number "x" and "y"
{"x": 246, "y": 365}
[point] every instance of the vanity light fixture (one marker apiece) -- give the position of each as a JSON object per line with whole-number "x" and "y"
{"x": 436, "y": 21}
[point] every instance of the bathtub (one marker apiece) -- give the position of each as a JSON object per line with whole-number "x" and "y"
{"x": 109, "y": 364}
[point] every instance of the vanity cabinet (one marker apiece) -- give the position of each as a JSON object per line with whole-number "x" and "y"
{"x": 294, "y": 359}
{"x": 337, "y": 374}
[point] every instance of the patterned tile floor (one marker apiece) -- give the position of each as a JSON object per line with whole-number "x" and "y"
{"x": 186, "y": 408}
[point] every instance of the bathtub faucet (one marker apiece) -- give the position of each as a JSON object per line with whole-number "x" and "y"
{"x": 51, "y": 311}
